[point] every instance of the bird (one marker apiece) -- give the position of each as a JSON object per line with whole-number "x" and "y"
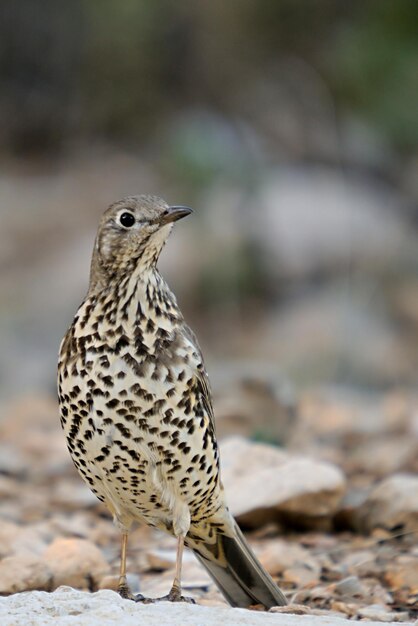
{"x": 136, "y": 407}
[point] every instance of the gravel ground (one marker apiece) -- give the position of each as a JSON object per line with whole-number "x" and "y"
{"x": 334, "y": 522}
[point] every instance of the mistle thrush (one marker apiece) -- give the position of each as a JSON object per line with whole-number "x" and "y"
{"x": 136, "y": 406}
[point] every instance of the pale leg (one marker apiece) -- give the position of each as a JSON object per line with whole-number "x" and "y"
{"x": 123, "y": 588}
{"x": 174, "y": 594}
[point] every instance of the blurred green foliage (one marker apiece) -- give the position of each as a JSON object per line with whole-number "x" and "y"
{"x": 122, "y": 68}
{"x": 375, "y": 68}
{"x": 146, "y": 59}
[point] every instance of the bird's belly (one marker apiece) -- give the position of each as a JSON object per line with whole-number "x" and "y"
{"x": 134, "y": 448}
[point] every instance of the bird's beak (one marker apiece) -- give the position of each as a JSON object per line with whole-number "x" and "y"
{"x": 175, "y": 213}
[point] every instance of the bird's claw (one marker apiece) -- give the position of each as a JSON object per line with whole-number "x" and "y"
{"x": 174, "y": 595}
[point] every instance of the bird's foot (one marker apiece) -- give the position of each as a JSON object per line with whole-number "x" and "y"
{"x": 125, "y": 592}
{"x": 174, "y": 595}
{"x": 140, "y": 598}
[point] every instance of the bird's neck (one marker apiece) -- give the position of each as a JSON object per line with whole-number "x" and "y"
{"x": 141, "y": 294}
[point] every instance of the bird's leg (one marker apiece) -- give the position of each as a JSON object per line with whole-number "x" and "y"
{"x": 174, "y": 594}
{"x": 175, "y": 591}
{"x": 123, "y": 587}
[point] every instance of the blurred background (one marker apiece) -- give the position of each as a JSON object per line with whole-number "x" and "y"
{"x": 290, "y": 127}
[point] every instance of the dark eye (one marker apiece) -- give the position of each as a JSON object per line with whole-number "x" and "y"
{"x": 127, "y": 219}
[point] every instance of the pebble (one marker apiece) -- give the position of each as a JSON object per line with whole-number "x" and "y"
{"x": 403, "y": 573}
{"x": 279, "y": 555}
{"x": 18, "y": 539}
{"x": 53, "y": 531}
{"x": 393, "y": 503}
{"x": 76, "y": 562}
{"x": 350, "y": 587}
{"x": 112, "y": 581}
{"x": 24, "y": 573}
{"x": 381, "y": 613}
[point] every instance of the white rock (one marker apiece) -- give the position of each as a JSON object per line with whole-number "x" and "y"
{"x": 262, "y": 481}
{"x": 67, "y": 607}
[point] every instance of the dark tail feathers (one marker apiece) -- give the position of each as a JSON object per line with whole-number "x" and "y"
{"x": 243, "y": 581}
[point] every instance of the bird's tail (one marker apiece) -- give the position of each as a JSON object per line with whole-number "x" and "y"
{"x": 237, "y": 572}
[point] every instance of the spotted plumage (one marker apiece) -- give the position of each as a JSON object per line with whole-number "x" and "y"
{"x": 136, "y": 404}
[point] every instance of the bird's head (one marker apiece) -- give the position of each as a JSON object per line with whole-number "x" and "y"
{"x": 131, "y": 235}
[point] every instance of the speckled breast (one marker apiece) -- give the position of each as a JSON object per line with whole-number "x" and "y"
{"x": 134, "y": 415}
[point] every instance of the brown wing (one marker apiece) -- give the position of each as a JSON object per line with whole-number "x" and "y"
{"x": 202, "y": 379}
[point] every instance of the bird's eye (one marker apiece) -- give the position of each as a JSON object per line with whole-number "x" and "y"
{"x": 127, "y": 219}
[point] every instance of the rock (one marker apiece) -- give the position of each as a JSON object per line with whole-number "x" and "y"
{"x": 66, "y": 605}
{"x": 300, "y": 609}
{"x": 340, "y": 412}
{"x": 312, "y": 334}
{"x": 16, "y": 539}
{"x": 194, "y": 574}
{"x": 7, "y": 487}
{"x": 73, "y": 525}
{"x": 28, "y": 414}
{"x": 292, "y": 609}
{"x": 263, "y": 483}
{"x": 350, "y": 587}
{"x": 383, "y": 456}
{"x": 300, "y": 576}
{"x": 362, "y": 563}
{"x": 348, "y": 514}
{"x": 12, "y": 462}
{"x": 166, "y": 559}
{"x": 68, "y": 494}
{"x": 382, "y": 614}
{"x": 279, "y": 556}
{"x": 111, "y": 582}
{"x": 24, "y": 573}
{"x": 161, "y": 559}
{"x": 319, "y": 200}
{"x": 349, "y": 609}
{"x": 76, "y": 562}
{"x": 393, "y": 503}
{"x": 403, "y": 573}
{"x": 9, "y": 533}
{"x": 33, "y": 422}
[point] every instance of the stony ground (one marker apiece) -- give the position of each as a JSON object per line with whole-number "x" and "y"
{"x": 69, "y": 607}
{"x": 332, "y": 515}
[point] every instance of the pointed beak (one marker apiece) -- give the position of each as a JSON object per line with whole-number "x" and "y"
{"x": 175, "y": 213}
